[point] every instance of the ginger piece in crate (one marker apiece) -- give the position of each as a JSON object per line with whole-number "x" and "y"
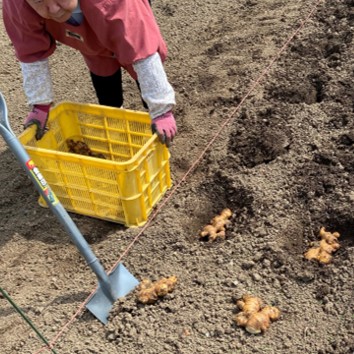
{"x": 255, "y": 317}
{"x": 216, "y": 229}
{"x": 328, "y": 244}
{"x": 149, "y": 292}
{"x": 81, "y": 148}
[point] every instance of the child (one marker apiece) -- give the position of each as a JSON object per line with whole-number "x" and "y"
{"x": 110, "y": 35}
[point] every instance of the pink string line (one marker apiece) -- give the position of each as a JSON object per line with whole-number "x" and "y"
{"x": 196, "y": 162}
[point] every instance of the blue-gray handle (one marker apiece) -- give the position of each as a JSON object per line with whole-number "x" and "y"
{"x": 52, "y": 201}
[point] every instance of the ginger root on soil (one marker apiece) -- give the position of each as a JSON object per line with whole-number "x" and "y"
{"x": 81, "y": 148}
{"x": 327, "y": 245}
{"x": 150, "y": 292}
{"x": 216, "y": 228}
{"x": 255, "y": 317}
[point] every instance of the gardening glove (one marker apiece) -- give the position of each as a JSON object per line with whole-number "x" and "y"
{"x": 165, "y": 127}
{"x": 39, "y": 117}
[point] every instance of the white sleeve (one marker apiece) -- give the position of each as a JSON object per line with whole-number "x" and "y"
{"x": 156, "y": 91}
{"x": 37, "y": 82}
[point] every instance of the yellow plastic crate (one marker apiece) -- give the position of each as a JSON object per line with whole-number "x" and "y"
{"x": 122, "y": 188}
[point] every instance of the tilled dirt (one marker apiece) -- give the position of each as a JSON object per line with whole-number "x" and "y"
{"x": 282, "y": 161}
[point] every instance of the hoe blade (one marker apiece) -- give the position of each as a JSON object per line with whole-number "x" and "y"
{"x": 122, "y": 282}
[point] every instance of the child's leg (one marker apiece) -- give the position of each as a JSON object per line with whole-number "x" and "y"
{"x": 109, "y": 89}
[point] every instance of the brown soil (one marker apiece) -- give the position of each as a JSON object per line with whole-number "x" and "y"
{"x": 284, "y": 164}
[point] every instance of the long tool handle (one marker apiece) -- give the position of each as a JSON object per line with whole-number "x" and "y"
{"x": 22, "y": 314}
{"x": 52, "y": 201}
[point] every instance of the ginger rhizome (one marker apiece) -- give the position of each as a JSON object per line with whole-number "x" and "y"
{"x": 81, "y": 148}
{"x": 216, "y": 228}
{"x": 323, "y": 251}
{"x": 149, "y": 292}
{"x": 255, "y": 317}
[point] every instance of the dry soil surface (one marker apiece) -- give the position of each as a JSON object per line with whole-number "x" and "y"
{"x": 280, "y": 122}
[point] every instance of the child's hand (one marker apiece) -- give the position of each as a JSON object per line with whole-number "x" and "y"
{"x": 39, "y": 117}
{"x": 165, "y": 127}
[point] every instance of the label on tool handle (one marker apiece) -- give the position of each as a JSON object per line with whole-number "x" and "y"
{"x": 42, "y": 182}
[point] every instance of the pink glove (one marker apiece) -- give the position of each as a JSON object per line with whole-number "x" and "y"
{"x": 39, "y": 117}
{"x": 165, "y": 127}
